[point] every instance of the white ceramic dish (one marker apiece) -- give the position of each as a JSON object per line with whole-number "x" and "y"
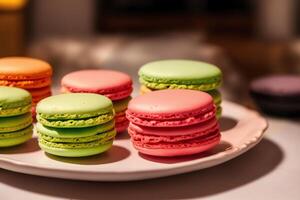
{"x": 242, "y": 129}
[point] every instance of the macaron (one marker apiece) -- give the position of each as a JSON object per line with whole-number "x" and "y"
{"x": 75, "y": 124}
{"x": 14, "y": 101}
{"x": 181, "y": 74}
{"x": 31, "y": 74}
{"x": 115, "y": 85}
{"x": 277, "y": 94}
{"x": 173, "y": 122}
{"x": 15, "y": 116}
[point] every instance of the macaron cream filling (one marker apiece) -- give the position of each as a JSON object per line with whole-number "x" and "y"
{"x": 207, "y": 139}
{"x": 81, "y": 122}
{"x": 15, "y": 111}
{"x": 104, "y": 136}
{"x": 202, "y": 87}
{"x": 74, "y": 132}
{"x": 27, "y": 84}
{"x": 25, "y": 131}
{"x": 15, "y": 123}
{"x": 157, "y": 139}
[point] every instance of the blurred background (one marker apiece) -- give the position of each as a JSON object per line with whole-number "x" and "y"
{"x": 245, "y": 38}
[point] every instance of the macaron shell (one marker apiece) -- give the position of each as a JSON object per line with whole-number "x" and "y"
{"x": 23, "y": 68}
{"x": 13, "y": 97}
{"x": 8, "y": 142}
{"x": 180, "y": 149}
{"x": 159, "y": 104}
{"x": 76, "y": 123}
{"x": 114, "y": 84}
{"x": 74, "y": 152}
{"x": 74, "y": 106}
{"x": 113, "y": 96}
{"x": 180, "y": 72}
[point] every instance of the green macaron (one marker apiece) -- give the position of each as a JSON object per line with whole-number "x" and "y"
{"x": 15, "y": 123}
{"x": 75, "y": 110}
{"x": 14, "y": 101}
{"x": 76, "y": 142}
{"x": 8, "y": 139}
{"x": 76, "y": 152}
{"x": 180, "y": 74}
{"x": 75, "y": 124}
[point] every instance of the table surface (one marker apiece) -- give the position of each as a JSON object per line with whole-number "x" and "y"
{"x": 268, "y": 171}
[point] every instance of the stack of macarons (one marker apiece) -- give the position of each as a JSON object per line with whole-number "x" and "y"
{"x": 182, "y": 74}
{"x": 15, "y": 116}
{"x": 115, "y": 85}
{"x": 173, "y": 122}
{"x": 75, "y": 125}
{"x": 31, "y": 74}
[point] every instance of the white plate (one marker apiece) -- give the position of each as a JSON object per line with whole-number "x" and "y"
{"x": 241, "y": 130}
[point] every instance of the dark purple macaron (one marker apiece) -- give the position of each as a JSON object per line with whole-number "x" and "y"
{"x": 277, "y": 94}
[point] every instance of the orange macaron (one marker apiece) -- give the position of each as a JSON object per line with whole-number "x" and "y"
{"x": 31, "y": 74}
{"x": 24, "y": 72}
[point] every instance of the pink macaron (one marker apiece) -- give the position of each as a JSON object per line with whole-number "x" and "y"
{"x": 173, "y": 122}
{"x": 113, "y": 84}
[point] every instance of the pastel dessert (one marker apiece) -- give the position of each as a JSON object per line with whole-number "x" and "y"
{"x": 14, "y": 101}
{"x": 75, "y": 124}
{"x": 31, "y": 74}
{"x": 277, "y": 94}
{"x": 113, "y": 84}
{"x": 181, "y": 74}
{"x": 173, "y": 122}
{"x": 15, "y": 116}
